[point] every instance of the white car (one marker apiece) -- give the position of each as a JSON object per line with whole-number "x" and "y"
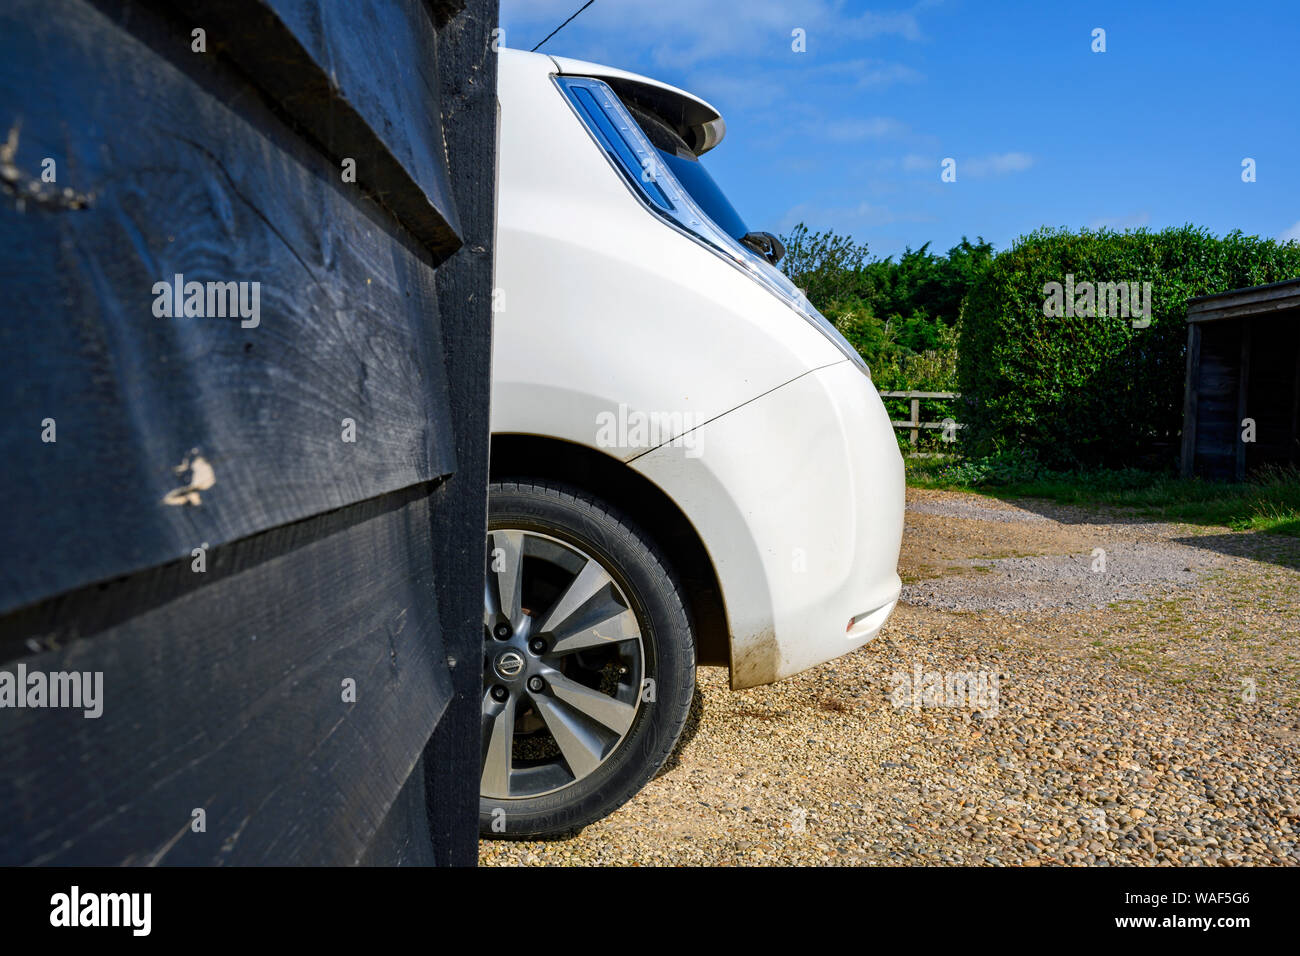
{"x": 689, "y": 464}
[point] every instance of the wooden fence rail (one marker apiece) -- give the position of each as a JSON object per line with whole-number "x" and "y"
{"x": 914, "y": 424}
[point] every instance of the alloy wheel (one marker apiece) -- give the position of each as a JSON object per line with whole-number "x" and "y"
{"x": 563, "y": 664}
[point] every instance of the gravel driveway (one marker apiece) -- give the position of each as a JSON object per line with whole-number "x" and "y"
{"x": 1058, "y": 686}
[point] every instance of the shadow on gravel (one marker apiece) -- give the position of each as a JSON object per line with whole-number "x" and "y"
{"x": 1028, "y": 511}
{"x": 1255, "y": 545}
{"x": 1282, "y": 549}
{"x": 1078, "y": 514}
{"x": 691, "y": 728}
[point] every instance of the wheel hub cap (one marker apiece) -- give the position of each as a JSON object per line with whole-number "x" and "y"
{"x": 510, "y": 665}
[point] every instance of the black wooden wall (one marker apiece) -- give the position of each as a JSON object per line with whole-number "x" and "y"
{"x": 1215, "y": 367}
{"x": 1273, "y": 391}
{"x": 1239, "y": 368}
{"x": 265, "y": 531}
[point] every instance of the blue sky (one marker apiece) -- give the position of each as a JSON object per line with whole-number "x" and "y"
{"x": 850, "y": 134}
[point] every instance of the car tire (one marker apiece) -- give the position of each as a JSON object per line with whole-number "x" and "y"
{"x": 584, "y": 578}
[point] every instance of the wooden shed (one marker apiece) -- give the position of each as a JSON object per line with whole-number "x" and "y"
{"x": 1241, "y": 405}
{"x": 244, "y": 373}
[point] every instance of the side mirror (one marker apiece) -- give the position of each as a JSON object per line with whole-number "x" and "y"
{"x": 766, "y": 245}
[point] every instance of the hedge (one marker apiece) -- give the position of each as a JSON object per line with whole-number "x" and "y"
{"x": 1089, "y": 390}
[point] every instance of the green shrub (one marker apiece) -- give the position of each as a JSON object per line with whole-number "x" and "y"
{"x": 1003, "y": 468}
{"x": 900, "y": 315}
{"x": 926, "y": 288}
{"x": 1080, "y": 390}
{"x": 828, "y": 267}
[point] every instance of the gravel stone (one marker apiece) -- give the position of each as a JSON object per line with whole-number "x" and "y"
{"x": 1145, "y": 715}
{"x": 1132, "y": 571}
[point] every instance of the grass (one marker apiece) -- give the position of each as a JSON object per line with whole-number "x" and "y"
{"x": 1270, "y": 502}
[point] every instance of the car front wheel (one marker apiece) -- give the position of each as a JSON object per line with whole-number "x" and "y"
{"x": 588, "y": 664}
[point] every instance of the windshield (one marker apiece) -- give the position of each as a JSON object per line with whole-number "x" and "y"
{"x": 695, "y": 179}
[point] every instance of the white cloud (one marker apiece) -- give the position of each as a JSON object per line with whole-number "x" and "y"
{"x": 995, "y": 164}
{"x": 884, "y": 24}
{"x": 863, "y": 73}
{"x": 1291, "y": 235}
{"x": 854, "y": 130}
{"x": 844, "y": 218}
{"x": 879, "y": 75}
{"x": 789, "y": 85}
{"x": 683, "y": 33}
{"x": 973, "y": 167}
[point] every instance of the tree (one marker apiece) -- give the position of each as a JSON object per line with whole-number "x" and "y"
{"x": 901, "y": 316}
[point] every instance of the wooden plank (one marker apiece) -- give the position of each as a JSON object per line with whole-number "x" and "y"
{"x": 1243, "y": 399}
{"x": 404, "y": 838}
{"x": 217, "y": 187}
{"x": 1294, "y": 456}
{"x": 1283, "y": 307}
{"x": 920, "y": 394}
{"x": 468, "y": 97}
{"x": 228, "y": 697}
{"x": 1218, "y": 357}
{"x": 1255, "y": 300}
{"x": 319, "y": 63}
{"x": 442, "y": 11}
{"x": 1190, "y": 400}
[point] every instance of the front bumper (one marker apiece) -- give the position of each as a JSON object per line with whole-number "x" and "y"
{"x": 798, "y": 498}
